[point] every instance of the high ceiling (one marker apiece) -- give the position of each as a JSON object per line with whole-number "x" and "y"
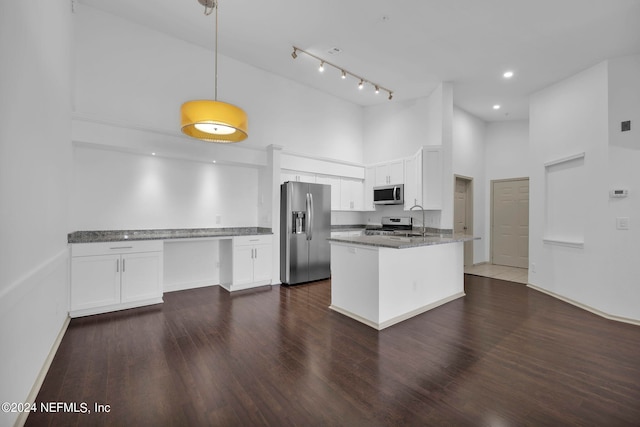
{"x": 409, "y": 46}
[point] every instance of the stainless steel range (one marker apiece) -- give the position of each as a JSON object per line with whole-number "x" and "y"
{"x": 392, "y": 226}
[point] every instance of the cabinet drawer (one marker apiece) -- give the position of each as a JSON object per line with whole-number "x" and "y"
{"x": 253, "y": 240}
{"x": 102, "y": 248}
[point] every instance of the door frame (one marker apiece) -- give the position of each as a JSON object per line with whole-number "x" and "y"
{"x": 522, "y": 178}
{"x": 468, "y": 246}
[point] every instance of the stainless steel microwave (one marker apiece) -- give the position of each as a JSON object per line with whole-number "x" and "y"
{"x": 388, "y": 195}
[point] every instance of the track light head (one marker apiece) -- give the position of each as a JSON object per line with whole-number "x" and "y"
{"x": 361, "y": 84}
{"x": 377, "y": 89}
{"x": 294, "y": 55}
{"x": 344, "y": 75}
{"x": 390, "y": 95}
{"x": 321, "y": 68}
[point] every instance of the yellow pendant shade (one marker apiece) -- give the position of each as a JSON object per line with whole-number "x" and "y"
{"x": 213, "y": 121}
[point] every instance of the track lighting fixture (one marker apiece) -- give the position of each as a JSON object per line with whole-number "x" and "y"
{"x": 343, "y": 72}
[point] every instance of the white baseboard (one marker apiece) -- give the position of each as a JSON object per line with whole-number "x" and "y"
{"x": 33, "y": 394}
{"x": 187, "y": 285}
{"x": 586, "y": 307}
{"x": 390, "y": 322}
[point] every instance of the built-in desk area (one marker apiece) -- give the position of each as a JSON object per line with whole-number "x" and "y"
{"x": 119, "y": 269}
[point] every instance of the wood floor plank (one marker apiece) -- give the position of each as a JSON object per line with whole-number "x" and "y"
{"x": 502, "y": 355}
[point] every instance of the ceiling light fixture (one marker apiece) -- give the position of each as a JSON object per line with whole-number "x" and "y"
{"x": 343, "y": 72}
{"x": 213, "y": 121}
{"x": 507, "y": 74}
{"x": 496, "y": 107}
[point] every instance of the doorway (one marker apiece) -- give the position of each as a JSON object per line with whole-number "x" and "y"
{"x": 510, "y": 222}
{"x": 463, "y": 213}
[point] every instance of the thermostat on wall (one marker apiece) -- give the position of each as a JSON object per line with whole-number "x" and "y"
{"x": 619, "y": 192}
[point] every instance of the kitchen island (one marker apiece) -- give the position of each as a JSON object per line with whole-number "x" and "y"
{"x": 383, "y": 280}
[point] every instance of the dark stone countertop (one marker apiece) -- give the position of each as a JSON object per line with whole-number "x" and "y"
{"x": 162, "y": 234}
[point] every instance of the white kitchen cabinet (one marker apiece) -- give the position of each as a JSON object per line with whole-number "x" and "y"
{"x": 114, "y": 276}
{"x": 351, "y": 194}
{"x": 298, "y": 176}
{"x": 432, "y": 179}
{"x": 390, "y": 173}
{"x": 413, "y": 180}
{"x": 334, "y": 182}
{"x": 250, "y": 260}
{"x": 369, "y": 183}
{"x": 423, "y": 173}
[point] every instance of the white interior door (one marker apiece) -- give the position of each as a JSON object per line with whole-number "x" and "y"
{"x": 463, "y": 215}
{"x": 510, "y": 223}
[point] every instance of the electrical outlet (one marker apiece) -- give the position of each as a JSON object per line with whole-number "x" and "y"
{"x": 533, "y": 267}
{"x": 622, "y": 223}
{"x": 218, "y": 219}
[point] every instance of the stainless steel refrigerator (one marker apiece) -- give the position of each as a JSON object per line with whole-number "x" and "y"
{"x": 305, "y": 226}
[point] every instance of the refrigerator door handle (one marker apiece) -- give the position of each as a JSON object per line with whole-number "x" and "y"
{"x": 309, "y": 216}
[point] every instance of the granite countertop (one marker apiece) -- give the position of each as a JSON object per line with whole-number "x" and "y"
{"x": 162, "y": 234}
{"x": 397, "y": 242}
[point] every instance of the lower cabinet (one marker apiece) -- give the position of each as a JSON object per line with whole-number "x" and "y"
{"x": 246, "y": 262}
{"x": 113, "y": 276}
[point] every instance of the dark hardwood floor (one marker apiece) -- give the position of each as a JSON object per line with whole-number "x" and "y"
{"x": 503, "y": 355}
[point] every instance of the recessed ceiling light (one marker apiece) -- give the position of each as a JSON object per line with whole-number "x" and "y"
{"x": 507, "y": 74}
{"x": 334, "y": 51}
{"x": 213, "y": 161}
{"x": 496, "y": 107}
{"x": 153, "y": 154}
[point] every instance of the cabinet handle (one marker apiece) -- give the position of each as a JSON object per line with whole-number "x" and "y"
{"x": 254, "y": 240}
{"x": 122, "y": 247}
{"x": 117, "y": 266}
{"x": 123, "y": 265}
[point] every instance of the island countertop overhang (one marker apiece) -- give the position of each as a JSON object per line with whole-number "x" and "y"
{"x": 396, "y": 242}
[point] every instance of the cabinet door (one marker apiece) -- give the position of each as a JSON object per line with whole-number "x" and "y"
{"x": 334, "y": 182}
{"x": 262, "y": 263}
{"x": 242, "y": 265}
{"x": 396, "y": 172}
{"x": 432, "y": 177}
{"x": 369, "y": 182}
{"x": 351, "y": 193}
{"x": 141, "y": 276}
{"x": 382, "y": 174}
{"x": 413, "y": 181}
{"x": 95, "y": 281}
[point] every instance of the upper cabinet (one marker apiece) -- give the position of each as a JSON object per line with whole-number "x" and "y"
{"x": 290, "y": 175}
{"x": 423, "y": 185}
{"x": 389, "y": 173}
{"x": 334, "y": 182}
{"x": 369, "y": 183}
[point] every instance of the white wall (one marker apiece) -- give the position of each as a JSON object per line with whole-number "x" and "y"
{"x": 624, "y": 172}
{"x": 570, "y": 117}
{"x": 35, "y": 163}
{"x": 468, "y": 161}
{"x": 126, "y": 73}
{"x": 506, "y": 156}
{"x": 113, "y": 190}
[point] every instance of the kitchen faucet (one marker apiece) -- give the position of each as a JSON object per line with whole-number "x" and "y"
{"x": 424, "y": 227}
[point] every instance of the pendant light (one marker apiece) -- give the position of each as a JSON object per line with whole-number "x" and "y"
{"x": 213, "y": 121}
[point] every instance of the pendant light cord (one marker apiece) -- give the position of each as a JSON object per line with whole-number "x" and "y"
{"x": 217, "y": 6}
{"x": 209, "y": 6}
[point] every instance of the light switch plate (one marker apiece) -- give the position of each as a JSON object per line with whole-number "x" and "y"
{"x": 622, "y": 223}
